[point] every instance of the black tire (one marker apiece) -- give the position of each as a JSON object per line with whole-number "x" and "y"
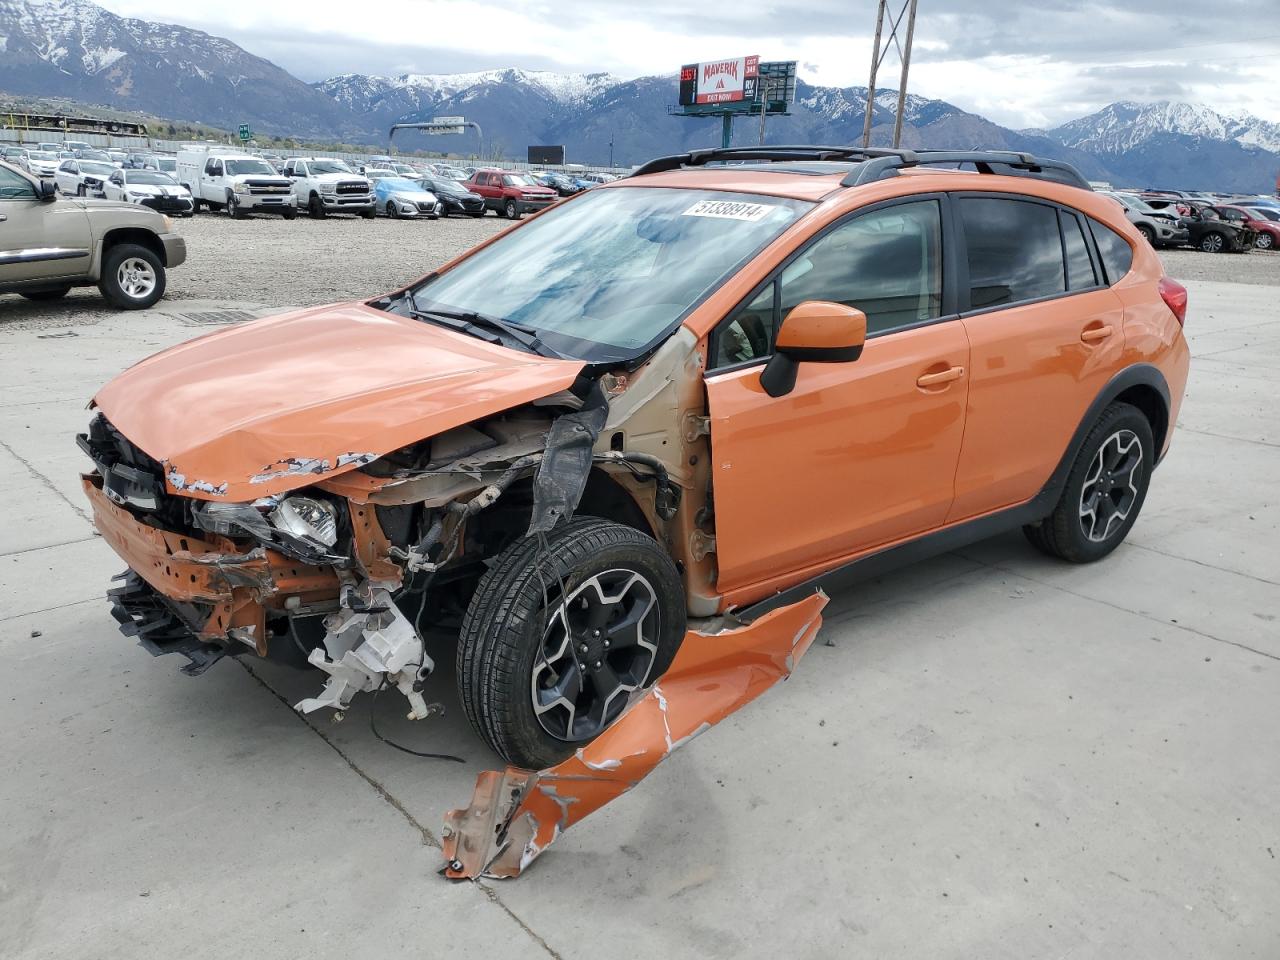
{"x": 42, "y": 295}
{"x": 1213, "y": 242}
{"x": 289, "y": 213}
{"x": 1148, "y": 234}
{"x": 1264, "y": 241}
{"x": 511, "y": 210}
{"x": 393, "y": 212}
{"x": 315, "y": 208}
{"x": 233, "y": 207}
{"x": 504, "y": 632}
{"x": 80, "y": 190}
{"x": 1065, "y": 533}
{"x": 110, "y": 284}
{"x": 479, "y": 213}
{"x": 369, "y": 213}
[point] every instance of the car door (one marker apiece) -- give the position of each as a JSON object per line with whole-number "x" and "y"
{"x": 859, "y": 454}
{"x": 1045, "y": 334}
{"x": 211, "y": 181}
{"x": 39, "y": 239}
{"x": 113, "y": 189}
{"x": 67, "y": 177}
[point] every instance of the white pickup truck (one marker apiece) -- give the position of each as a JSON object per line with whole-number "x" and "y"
{"x": 240, "y": 183}
{"x": 323, "y": 186}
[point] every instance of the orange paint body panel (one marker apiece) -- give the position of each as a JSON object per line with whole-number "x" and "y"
{"x": 278, "y": 403}
{"x": 516, "y": 814}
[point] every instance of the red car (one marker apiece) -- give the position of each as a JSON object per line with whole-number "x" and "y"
{"x": 1267, "y": 230}
{"x": 510, "y": 193}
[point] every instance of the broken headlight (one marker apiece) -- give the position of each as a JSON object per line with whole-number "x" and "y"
{"x": 307, "y": 520}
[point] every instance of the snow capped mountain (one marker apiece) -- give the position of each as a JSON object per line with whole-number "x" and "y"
{"x": 77, "y": 49}
{"x": 1123, "y": 126}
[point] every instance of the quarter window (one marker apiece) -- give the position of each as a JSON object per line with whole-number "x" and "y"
{"x": 1117, "y": 255}
{"x": 1014, "y": 251}
{"x": 1080, "y": 272}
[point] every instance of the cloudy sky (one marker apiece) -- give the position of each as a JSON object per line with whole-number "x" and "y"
{"x": 1019, "y": 63}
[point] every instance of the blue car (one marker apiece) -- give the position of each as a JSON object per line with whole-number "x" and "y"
{"x": 399, "y": 197}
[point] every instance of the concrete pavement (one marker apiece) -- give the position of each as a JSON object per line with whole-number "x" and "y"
{"x": 992, "y": 755}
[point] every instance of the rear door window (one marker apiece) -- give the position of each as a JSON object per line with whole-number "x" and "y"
{"x": 1014, "y": 250}
{"x": 1081, "y": 274}
{"x": 1117, "y": 255}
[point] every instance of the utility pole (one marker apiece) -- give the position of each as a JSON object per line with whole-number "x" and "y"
{"x": 907, "y": 10}
{"x": 610, "y": 149}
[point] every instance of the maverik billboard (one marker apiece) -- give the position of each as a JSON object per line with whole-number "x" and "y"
{"x": 719, "y": 81}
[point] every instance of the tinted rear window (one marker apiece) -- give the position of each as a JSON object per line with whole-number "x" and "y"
{"x": 1117, "y": 255}
{"x": 1014, "y": 251}
{"x": 1080, "y": 272}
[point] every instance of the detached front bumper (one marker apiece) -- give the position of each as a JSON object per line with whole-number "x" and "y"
{"x": 204, "y": 595}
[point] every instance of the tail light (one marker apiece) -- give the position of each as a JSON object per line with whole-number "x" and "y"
{"x": 1174, "y": 295}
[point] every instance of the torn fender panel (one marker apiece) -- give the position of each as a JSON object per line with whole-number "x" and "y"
{"x": 516, "y": 814}
{"x": 280, "y": 403}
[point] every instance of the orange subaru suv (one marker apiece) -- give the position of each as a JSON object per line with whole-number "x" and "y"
{"x": 655, "y": 413}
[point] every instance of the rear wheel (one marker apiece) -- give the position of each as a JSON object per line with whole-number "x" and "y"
{"x": 1213, "y": 243}
{"x": 133, "y": 277}
{"x": 55, "y": 294}
{"x": 1104, "y": 491}
{"x": 561, "y": 633}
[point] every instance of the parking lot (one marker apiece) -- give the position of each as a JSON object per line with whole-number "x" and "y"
{"x": 990, "y": 754}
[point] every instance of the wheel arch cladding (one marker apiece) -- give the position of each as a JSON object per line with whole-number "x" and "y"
{"x": 142, "y": 237}
{"x": 1152, "y": 405}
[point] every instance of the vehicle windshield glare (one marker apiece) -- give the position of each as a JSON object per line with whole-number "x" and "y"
{"x": 329, "y": 166}
{"x": 41, "y": 155}
{"x": 443, "y": 186}
{"x": 605, "y": 276}
{"x": 400, "y": 183}
{"x": 167, "y": 163}
{"x": 239, "y": 168}
{"x": 1134, "y": 202}
{"x": 516, "y": 180}
{"x": 152, "y": 177}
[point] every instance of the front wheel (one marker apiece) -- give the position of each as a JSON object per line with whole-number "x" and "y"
{"x": 315, "y": 208}
{"x": 133, "y": 277}
{"x": 1264, "y": 241}
{"x": 289, "y": 213}
{"x": 1148, "y": 234}
{"x": 234, "y": 208}
{"x": 368, "y": 213}
{"x": 560, "y": 635}
{"x": 512, "y": 210}
{"x": 1104, "y": 491}
{"x": 392, "y": 210}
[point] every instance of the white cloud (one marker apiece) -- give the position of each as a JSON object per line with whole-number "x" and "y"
{"x": 1021, "y": 65}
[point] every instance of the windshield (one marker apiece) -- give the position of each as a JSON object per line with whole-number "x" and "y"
{"x": 400, "y": 183}
{"x": 42, "y": 155}
{"x": 94, "y": 155}
{"x": 88, "y": 166}
{"x": 1135, "y": 202}
{"x": 444, "y": 186}
{"x": 149, "y": 176}
{"x": 1265, "y": 213}
{"x": 166, "y": 163}
{"x": 605, "y": 276}
{"x": 328, "y": 166}
{"x": 515, "y": 180}
{"x": 238, "y": 168}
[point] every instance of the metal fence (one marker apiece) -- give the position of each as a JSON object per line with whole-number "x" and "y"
{"x": 12, "y": 136}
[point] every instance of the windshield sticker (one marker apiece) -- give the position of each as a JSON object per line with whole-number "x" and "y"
{"x": 729, "y": 210}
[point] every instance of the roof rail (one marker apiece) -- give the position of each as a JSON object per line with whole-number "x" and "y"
{"x": 1007, "y": 163}
{"x": 878, "y": 163}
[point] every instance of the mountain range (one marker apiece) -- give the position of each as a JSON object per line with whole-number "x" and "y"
{"x": 79, "y": 50}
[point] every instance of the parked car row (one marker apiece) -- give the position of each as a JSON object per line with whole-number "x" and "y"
{"x": 1212, "y": 225}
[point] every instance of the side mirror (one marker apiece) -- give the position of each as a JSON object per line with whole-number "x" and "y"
{"x": 48, "y": 189}
{"x": 815, "y": 331}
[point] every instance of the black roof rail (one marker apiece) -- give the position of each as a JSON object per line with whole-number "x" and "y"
{"x": 878, "y": 163}
{"x": 1007, "y": 163}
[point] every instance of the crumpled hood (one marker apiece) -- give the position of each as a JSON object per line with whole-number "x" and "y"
{"x": 272, "y": 405}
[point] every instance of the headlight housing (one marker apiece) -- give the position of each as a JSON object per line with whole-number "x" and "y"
{"x": 310, "y": 520}
{"x": 329, "y": 187}
{"x": 240, "y": 188}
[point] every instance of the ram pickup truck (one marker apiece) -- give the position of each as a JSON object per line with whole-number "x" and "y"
{"x": 511, "y": 194}
{"x": 323, "y": 186}
{"x": 237, "y": 182}
{"x": 50, "y": 243}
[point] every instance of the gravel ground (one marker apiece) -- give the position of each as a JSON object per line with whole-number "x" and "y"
{"x": 269, "y": 262}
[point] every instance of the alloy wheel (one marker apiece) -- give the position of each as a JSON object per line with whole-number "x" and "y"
{"x": 598, "y": 646}
{"x": 136, "y": 278}
{"x": 1111, "y": 486}
{"x": 1264, "y": 241}
{"x": 1212, "y": 243}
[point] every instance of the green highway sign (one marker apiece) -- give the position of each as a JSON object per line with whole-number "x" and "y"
{"x": 245, "y": 133}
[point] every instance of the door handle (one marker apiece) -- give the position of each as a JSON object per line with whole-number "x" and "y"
{"x": 1094, "y": 334}
{"x": 942, "y": 376}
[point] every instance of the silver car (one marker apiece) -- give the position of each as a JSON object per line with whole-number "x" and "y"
{"x": 1159, "y": 228}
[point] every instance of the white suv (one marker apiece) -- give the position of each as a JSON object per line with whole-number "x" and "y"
{"x": 324, "y": 186}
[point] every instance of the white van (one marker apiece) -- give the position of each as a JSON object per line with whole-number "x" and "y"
{"x": 220, "y": 177}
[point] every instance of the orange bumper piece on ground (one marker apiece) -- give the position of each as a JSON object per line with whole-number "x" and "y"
{"x": 516, "y": 814}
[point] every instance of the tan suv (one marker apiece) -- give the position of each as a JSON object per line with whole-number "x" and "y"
{"x": 50, "y": 243}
